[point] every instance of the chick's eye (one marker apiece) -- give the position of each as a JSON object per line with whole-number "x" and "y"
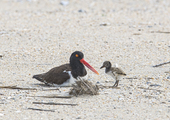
{"x": 77, "y": 55}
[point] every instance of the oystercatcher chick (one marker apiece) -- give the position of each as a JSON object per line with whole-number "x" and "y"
{"x": 67, "y": 74}
{"x": 115, "y": 72}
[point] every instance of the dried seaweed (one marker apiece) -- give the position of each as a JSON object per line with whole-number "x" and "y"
{"x": 84, "y": 87}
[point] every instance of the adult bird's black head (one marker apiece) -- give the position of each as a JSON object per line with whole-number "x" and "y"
{"x": 77, "y": 63}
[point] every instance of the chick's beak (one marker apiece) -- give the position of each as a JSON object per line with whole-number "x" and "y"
{"x": 102, "y": 67}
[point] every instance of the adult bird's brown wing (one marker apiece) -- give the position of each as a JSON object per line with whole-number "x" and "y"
{"x": 57, "y": 75}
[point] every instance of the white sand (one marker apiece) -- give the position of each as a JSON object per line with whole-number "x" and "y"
{"x": 37, "y": 35}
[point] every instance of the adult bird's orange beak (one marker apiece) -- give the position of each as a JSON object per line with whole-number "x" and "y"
{"x": 88, "y": 65}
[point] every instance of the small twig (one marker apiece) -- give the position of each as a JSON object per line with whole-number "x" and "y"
{"x": 136, "y": 33}
{"x": 167, "y": 71}
{"x": 131, "y": 78}
{"x": 15, "y": 87}
{"x": 54, "y": 96}
{"x": 160, "y": 32}
{"x": 161, "y": 64}
{"x": 155, "y": 85}
{"x": 41, "y": 109}
{"x": 51, "y": 103}
{"x": 50, "y": 89}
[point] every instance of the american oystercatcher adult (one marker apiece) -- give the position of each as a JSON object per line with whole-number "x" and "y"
{"x": 67, "y": 74}
{"x": 115, "y": 72}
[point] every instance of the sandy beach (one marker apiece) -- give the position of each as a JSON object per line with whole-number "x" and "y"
{"x": 37, "y": 35}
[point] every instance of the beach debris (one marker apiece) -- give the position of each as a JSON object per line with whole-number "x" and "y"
{"x": 64, "y": 3}
{"x": 104, "y": 24}
{"x": 41, "y": 109}
{"x": 136, "y": 33}
{"x": 155, "y": 85}
{"x": 84, "y": 87}
{"x": 1, "y": 56}
{"x": 52, "y": 103}
{"x": 161, "y": 64}
{"x": 80, "y": 10}
{"x": 15, "y": 87}
{"x": 78, "y": 118}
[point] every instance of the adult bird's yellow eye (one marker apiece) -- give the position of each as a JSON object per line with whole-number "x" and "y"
{"x": 77, "y": 55}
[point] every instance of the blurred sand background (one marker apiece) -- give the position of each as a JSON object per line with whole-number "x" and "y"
{"x": 37, "y": 35}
